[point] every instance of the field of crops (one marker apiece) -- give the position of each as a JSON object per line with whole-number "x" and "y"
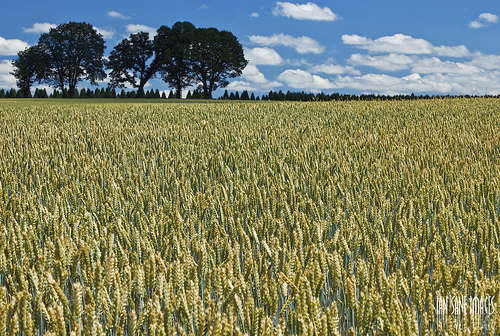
{"x": 248, "y": 218}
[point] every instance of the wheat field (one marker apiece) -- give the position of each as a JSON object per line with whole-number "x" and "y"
{"x": 339, "y": 218}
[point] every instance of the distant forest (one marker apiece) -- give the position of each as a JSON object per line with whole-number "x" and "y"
{"x": 110, "y": 92}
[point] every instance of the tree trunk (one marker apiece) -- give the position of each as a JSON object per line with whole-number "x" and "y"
{"x": 178, "y": 90}
{"x": 207, "y": 93}
{"x": 140, "y": 91}
{"x": 71, "y": 92}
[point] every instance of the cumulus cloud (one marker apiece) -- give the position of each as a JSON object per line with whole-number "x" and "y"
{"x": 118, "y": 15}
{"x": 10, "y": 47}
{"x": 106, "y": 34}
{"x": 300, "y": 79}
{"x": 253, "y": 80}
{"x": 403, "y": 44}
{"x": 254, "y": 15}
{"x": 39, "y": 28}
{"x": 263, "y": 56}
{"x": 489, "y": 62}
{"x": 333, "y": 69}
{"x": 7, "y": 81}
{"x": 435, "y": 65}
{"x": 136, "y": 28}
{"x": 390, "y": 62}
{"x": 302, "y": 44}
{"x": 307, "y": 11}
{"x": 483, "y": 20}
{"x": 487, "y": 83}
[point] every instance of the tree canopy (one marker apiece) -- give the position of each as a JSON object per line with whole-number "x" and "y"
{"x": 172, "y": 45}
{"x": 30, "y": 66}
{"x": 184, "y": 55}
{"x": 74, "y": 52}
{"x": 133, "y": 61}
{"x": 214, "y": 57}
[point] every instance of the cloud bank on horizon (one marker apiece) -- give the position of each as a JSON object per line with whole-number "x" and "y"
{"x": 291, "y": 57}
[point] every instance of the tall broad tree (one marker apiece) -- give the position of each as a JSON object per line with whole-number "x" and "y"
{"x": 133, "y": 61}
{"x": 74, "y": 52}
{"x": 172, "y": 45}
{"x": 214, "y": 57}
{"x": 30, "y": 66}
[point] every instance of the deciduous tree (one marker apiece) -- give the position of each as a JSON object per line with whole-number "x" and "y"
{"x": 133, "y": 61}
{"x": 74, "y": 53}
{"x": 214, "y": 57}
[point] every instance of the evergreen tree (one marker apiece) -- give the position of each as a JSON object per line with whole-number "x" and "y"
{"x": 163, "y": 95}
{"x": 244, "y": 95}
{"x": 171, "y": 94}
{"x": 231, "y": 96}
{"x": 252, "y": 97}
{"x": 237, "y": 96}
{"x": 157, "y": 94}
{"x": 2, "y": 93}
{"x": 89, "y": 93}
{"x": 225, "y": 96}
{"x": 188, "y": 95}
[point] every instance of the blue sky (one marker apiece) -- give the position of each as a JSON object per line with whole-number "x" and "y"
{"x": 384, "y": 47}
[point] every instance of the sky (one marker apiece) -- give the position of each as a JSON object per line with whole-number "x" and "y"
{"x": 380, "y": 47}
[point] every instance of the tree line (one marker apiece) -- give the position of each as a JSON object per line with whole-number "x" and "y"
{"x": 110, "y": 92}
{"x": 182, "y": 55}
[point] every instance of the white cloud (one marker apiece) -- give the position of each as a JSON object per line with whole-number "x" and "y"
{"x": 263, "y": 56}
{"x": 106, "y": 34}
{"x": 136, "y": 28}
{"x": 490, "y": 62}
{"x": 308, "y": 11}
{"x": 333, "y": 69}
{"x": 203, "y": 6}
{"x": 11, "y": 47}
{"x": 253, "y": 74}
{"x": 403, "y": 44}
{"x": 476, "y": 24}
{"x": 300, "y": 79}
{"x": 302, "y": 44}
{"x": 488, "y": 17}
{"x": 7, "y": 81}
{"x": 390, "y": 62}
{"x": 241, "y": 86}
{"x": 118, "y": 15}
{"x": 483, "y": 20}
{"x": 39, "y": 28}
{"x": 254, "y": 80}
{"x": 254, "y": 15}
{"x": 430, "y": 65}
{"x": 441, "y": 83}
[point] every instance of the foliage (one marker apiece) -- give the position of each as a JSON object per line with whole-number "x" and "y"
{"x": 215, "y": 56}
{"x": 74, "y": 52}
{"x": 133, "y": 61}
{"x": 30, "y": 66}
{"x": 173, "y": 47}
